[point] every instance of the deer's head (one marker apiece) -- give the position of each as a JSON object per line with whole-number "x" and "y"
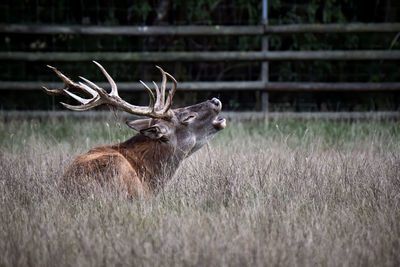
{"x": 186, "y": 129}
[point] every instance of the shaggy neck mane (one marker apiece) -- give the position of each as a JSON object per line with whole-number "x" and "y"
{"x": 154, "y": 160}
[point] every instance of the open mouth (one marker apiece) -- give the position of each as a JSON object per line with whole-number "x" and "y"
{"x": 219, "y": 123}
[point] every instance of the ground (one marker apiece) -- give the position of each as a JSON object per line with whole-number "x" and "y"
{"x": 283, "y": 192}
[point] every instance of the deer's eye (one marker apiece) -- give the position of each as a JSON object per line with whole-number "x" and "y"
{"x": 188, "y": 119}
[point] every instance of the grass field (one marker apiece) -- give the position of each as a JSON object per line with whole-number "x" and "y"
{"x": 283, "y": 193}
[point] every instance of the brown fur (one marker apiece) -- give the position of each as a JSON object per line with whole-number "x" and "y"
{"x": 136, "y": 166}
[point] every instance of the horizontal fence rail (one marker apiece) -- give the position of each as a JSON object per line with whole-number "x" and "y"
{"x": 333, "y": 28}
{"x": 202, "y": 56}
{"x": 134, "y": 30}
{"x": 226, "y": 86}
{"x": 200, "y": 30}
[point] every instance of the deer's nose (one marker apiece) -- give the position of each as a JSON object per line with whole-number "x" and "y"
{"x": 216, "y": 101}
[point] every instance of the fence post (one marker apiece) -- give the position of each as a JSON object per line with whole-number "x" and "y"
{"x": 264, "y": 64}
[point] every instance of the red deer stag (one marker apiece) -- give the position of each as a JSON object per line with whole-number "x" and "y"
{"x": 140, "y": 165}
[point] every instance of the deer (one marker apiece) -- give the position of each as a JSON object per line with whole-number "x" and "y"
{"x": 141, "y": 165}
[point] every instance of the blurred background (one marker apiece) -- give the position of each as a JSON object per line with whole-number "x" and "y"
{"x": 275, "y": 55}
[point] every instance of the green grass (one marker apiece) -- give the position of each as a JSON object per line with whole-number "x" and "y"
{"x": 280, "y": 193}
{"x": 299, "y": 132}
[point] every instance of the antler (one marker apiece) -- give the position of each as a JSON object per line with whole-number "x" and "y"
{"x": 158, "y": 107}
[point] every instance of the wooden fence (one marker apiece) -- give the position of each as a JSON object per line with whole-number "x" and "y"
{"x": 262, "y": 56}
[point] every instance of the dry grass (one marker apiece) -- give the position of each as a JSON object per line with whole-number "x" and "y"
{"x": 287, "y": 193}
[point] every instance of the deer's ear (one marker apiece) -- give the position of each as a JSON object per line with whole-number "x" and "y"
{"x": 188, "y": 118}
{"x": 139, "y": 125}
{"x": 145, "y": 127}
{"x": 157, "y": 131}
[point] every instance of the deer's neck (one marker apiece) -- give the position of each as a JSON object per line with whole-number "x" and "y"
{"x": 154, "y": 160}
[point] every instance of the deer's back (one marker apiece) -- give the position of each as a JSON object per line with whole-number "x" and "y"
{"x": 103, "y": 166}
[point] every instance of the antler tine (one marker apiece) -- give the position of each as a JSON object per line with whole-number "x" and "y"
{"x": 86, "y": 103}
{"x": 65, "y": 79}
{"x": 53, "y": 91}
{"x": 151, "y": 95}
{"x": 163, "y": 86}
{"x": 114, "y": 89}
{"x": 158, "y": 101}
{"x": 98, "y": 89}
{"x": 171, "y": 93}
{"x": 83, "y": 107}
{"x": 88, "y": 89}
{"x": 68, "y": 83}
{"x": 78, "y": 98}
